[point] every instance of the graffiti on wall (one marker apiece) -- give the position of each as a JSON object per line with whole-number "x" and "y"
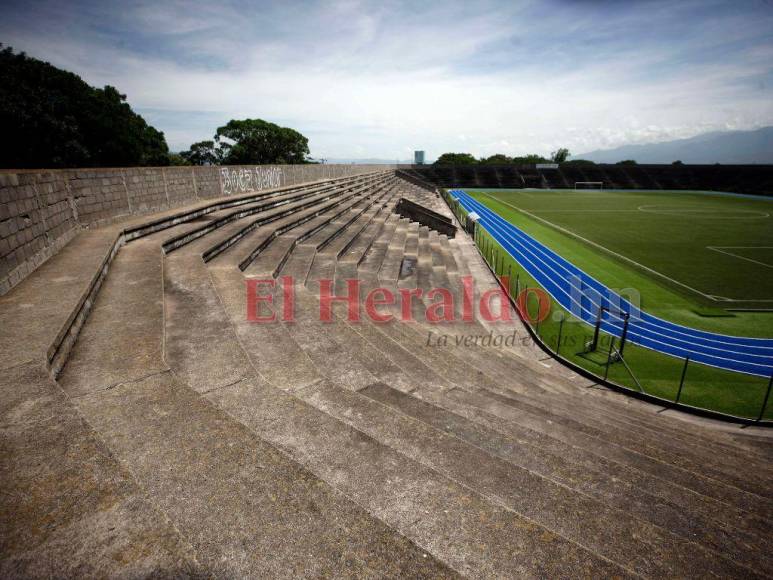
{"x": 243, "y": 179}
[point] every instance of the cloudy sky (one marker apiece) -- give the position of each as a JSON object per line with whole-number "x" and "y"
{"x": 380, "y": 79}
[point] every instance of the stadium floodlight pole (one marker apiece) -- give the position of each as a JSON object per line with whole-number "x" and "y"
{"x": 681, "y": 381}
{"x": 765, "y": 402}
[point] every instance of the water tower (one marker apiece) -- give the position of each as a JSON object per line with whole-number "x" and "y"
{"x": 418, "y": 157}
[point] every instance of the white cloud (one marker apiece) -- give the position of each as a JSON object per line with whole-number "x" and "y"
{"x": 378, "y": 80}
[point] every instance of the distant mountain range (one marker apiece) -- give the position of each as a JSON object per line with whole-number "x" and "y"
{"x": 717, "y": 147}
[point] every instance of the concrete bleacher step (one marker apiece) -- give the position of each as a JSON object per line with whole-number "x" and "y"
{"x": 70, "y": 507}
{"x": 614, "y": 534}
{"x": 738, "y": 544}
{"x": 172, "y": 441}
{"x": 377, "y": 334}
{"x": 325, "y": 259}
{"x": 479, "y": 538}
{"x": 286, "y": 200}
{"x": 556, "y": 428}
{"x": 277, "y": 248}
{"x": 306, "y": 223}
{"x": 299, "y": 262}
{"x": 463, "y": 403}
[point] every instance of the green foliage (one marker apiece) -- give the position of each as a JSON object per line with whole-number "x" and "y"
{"x": 560, "y": 155}
{"x": 255, "y": 142}
{"x": 579, "y": 162}
{"x": 627, "y": 162}
{"x": 677, "y": 162}
{"x": 178, "y": 159}
{"x": 202, "y": 153}
{"x": 456, "y": 159}
{"x": 530, "y": 159}
{"x": 52, "y": 118}
{"x": 498, "y": 159}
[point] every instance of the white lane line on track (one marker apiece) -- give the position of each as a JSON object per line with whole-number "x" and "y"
{"x": 721, "y": 250}
{"x": 600, "y": 247}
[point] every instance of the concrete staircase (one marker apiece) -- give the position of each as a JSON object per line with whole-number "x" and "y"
{"x": 182, "y": 438}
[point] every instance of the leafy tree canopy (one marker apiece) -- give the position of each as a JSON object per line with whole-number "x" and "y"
{"x": 498, "y": 159}
{"x": 456, "y": 159}
{"x": 530, "y": 159}
{"x": 627, "y": 162}
{"x": 579, "y": 162}
{"x": 52, "y": 118}
{"x": 255, "y": 142}
{"x": 560, "y": 155}
{"x": 202, "y": 153}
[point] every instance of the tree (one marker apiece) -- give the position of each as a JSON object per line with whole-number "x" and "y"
{"x": 456, "y": 159}
{"x": 579, "y": 162}
{"x": 52, "y": 118}
{"x": 627, "y": 162}
{"x": 255, "y": 142}
{"x": 560, "y": 155}
{"x": 497, "y": 159}
{"x": 677, "y": 162}
{"x": 530, "y": 159}
{"x": 202, "y": 153}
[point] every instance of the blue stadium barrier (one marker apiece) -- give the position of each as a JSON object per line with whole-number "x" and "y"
{"x": 583, "y": 295}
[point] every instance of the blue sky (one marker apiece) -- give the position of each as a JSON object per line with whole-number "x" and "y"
{"x": 380, "y": 79}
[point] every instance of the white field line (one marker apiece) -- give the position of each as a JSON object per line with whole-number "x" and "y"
{"x": 607, "y": 250}
{"x": 721, "y": 250}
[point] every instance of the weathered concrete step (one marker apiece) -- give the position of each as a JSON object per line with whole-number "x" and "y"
{"x": 608, "y": 449}
{"x": 300, "y": 260}
{"x": 388, "y": 337}
{"x": 310, "y": 220}
{"x": 457, "y": 526}
{"x": 460, "y": 528}
{"x": 69, "y": 508}
{"x": 734, "y": 543}
{"x": 727, "y": 470}
{"x": 529, "y": 389}
{"x": 388, "y": 262}
{"x": 324, "y": 264}
{"x": 729, "y": 516}
{"x": 613, "y": 534}
{"x": 289, "y": 201}
{"x": 341, "y": 243}
{"x": 207, "y": 473}
{"x": 280, "y": 360}
{"x": 357, "y": 250}
{"x": 247, "y": 509}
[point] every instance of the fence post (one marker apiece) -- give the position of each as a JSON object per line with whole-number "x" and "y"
{"x": 765, "y": 402}
{"x": 560, "y": 330}
{"x": 681, "y": 381}
{"x": 609, "y": 356}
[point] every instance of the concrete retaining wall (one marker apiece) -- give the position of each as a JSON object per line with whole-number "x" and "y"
{"x": 41, "y": 210}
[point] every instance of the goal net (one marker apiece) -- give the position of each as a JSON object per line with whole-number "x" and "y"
{"x": 589, "y": 185}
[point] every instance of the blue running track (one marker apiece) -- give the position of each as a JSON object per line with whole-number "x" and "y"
{"x": 582, "y": 295}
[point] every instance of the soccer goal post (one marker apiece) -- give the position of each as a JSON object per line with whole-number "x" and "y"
{"x": 589, "y": 185}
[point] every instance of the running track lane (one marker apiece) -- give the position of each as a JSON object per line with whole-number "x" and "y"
{"x": 582, "y": 295}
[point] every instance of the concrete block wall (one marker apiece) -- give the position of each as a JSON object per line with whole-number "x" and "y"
{"x": 41, "y": 210}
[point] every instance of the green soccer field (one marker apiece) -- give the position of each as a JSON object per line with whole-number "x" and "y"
{"x": 699, "y": 259}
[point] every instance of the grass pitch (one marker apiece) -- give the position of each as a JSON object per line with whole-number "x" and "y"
{"x": 698, "y": 259}
{"x": 670, "y": 256}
